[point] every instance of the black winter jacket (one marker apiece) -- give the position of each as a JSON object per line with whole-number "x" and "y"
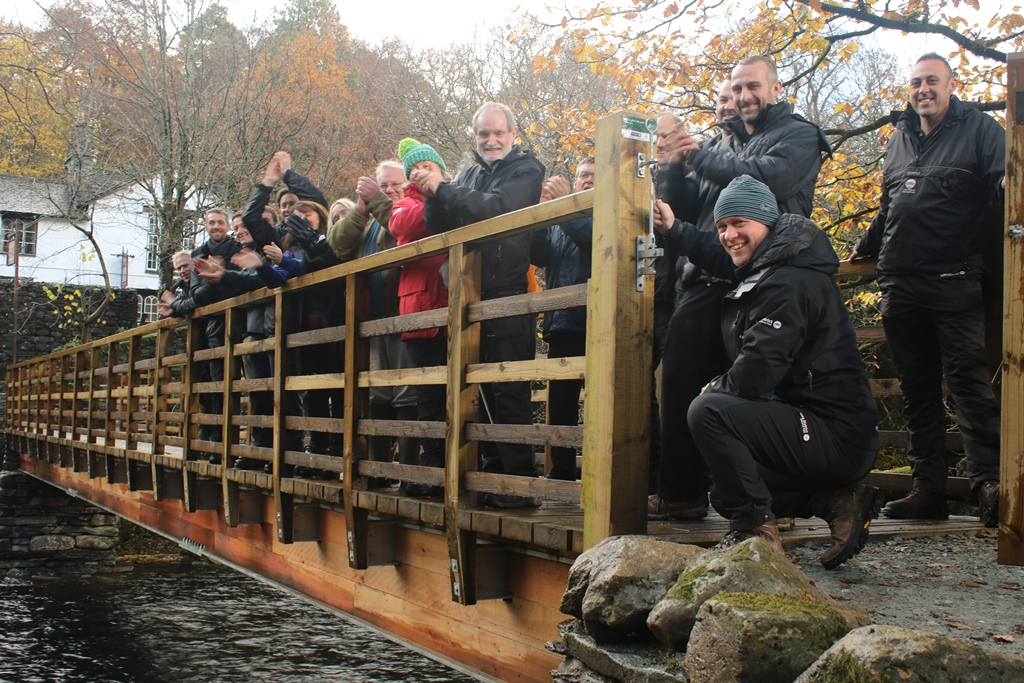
{"x": 789, "y": 335}
{"x": 784, "y": 152}
{"x": 935, "y": 192}
{"x": 327, "y": 304}
{"x": 564, "y": 251}
{"x": 481, "y": 192}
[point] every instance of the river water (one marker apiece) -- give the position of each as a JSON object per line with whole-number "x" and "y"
{"x": 200, "y": 624}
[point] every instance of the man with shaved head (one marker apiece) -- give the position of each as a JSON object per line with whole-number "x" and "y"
{"x": 943, "y": 171}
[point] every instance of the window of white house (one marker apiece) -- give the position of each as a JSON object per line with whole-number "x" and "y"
{"x": 26, "y": 231}
{"x": 153, "y": 244}
{"x": 147, "y": 309}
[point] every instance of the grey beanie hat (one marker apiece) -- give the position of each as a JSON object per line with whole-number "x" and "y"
{"x": 748, "y": 198}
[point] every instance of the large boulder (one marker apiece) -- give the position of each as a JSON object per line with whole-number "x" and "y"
{"x": 760, "y": 637}
{"x": 890, "y": 653}
{"x": 637, "y": 661}
{"x": 614, "y": 585}
{"x": 753, "y": 566}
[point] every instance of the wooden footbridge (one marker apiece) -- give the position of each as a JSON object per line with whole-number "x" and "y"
{"x": 116, "y": 421}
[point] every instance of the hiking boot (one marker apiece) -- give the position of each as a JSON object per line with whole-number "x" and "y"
{"x": 214, "y": 459}
{"x": 248, "y": 464}
{"x": 785, "y": 523}
{"x": 508, "y": 502}
{"x": 303, "y": 472}
{"x": 988, "y": 502}
{"x": 766, "y": 532}
{"x": 850, "y": 510}
{"x": 918, "y": 504}
{"x": 659, "y": 508}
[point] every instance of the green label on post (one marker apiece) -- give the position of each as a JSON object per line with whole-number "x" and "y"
{"x": 637, "y": 128}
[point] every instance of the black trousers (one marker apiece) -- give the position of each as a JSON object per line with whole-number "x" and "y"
{"x": 507, "y": 339}
{"x": 770, "y": 459}
{"x": 310, "y": 360}
{"x": 260, "y": 366}
{"x": 213, "y": 403}
{"x": 935, "y": 325}
{"x": 694, "y": 355}
{"x": 430, "y": 398}
{"x": 662, "y": 315}
{"x": 564, "y": 399}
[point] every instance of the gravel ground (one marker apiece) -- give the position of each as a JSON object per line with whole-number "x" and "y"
{"x": 947, "y": 584}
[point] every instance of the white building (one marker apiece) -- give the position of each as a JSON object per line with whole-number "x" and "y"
{"x": 44, "y": 213}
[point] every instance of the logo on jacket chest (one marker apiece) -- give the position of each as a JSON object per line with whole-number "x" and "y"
{"x": 770, "y": 323}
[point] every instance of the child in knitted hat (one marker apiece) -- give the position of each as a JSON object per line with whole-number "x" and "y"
{"x": 420, "y": 288}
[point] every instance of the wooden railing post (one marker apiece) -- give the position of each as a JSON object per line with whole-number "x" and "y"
{"x": 285, "y": 404}
{"x": 357, "y": 402}
{"x": 461, "y": 453}
{"x": 620, "y": 323}
{"x": 189, "y": 404}
{"x": 234, "y": 329}
{"x": 1011, "y": 511}
{"x": 156, "y": 427}
{"x": 130, "y": 404}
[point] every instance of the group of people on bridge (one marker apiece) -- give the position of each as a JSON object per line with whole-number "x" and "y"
{"x": 764, "y": 392}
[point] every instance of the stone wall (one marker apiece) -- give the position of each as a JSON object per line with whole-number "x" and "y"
{"x": 44, "y": 531}
{"x": 39, "y": 333}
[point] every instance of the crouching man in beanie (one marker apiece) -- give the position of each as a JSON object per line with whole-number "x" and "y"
{"x": 791, "y": 427}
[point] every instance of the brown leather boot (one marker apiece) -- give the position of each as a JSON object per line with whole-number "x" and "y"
{"x": 918, "y": 504}
{"x": 850, "y": 510}
{"x": 988, "y": 502}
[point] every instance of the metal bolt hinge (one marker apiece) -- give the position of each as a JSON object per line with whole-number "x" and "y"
{"x": 1016, "y": 232}
{"x": 646, "y": 252}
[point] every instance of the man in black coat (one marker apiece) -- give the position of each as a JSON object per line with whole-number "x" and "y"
{"x": 505, "y": 178}
{"x": 943, "y": 171}
{"x": 790, "y": 427}
{"x": 772, "y": 144}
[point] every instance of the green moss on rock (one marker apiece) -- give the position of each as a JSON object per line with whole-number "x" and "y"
{"x": 845, "y": 668}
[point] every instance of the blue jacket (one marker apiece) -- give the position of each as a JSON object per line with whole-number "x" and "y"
{"x": 565, "y": 252}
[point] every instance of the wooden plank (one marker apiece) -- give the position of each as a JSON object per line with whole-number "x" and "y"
{"x": 327, "y": 380}
{"x": 259, "y": 346}
{"x": 461, "y": 455}
{"x": 325, "y": 335}
{"x": 315, "y": 424}
{"x": 262, "y": 384}
{"x": 870, "y": 334}
{"x": 1011, "y": 474}
{"x": 537, "y": 435}
{"x": 176, "y": 359}
{"x": 571, "y": 367}
{"x": 357, "y": 406}
{"x": 424, "y": 320}
{"x": 401, "y": 428}
{"x": 532, "y": 487}
{"x": 524, "y": 304}
{"x": 620, "y": 324}
{"x": 209, "y": 354}
{"x": 858, "y": 268}
{"x": 403, "y": 377}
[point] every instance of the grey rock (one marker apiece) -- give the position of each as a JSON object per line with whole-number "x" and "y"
{"x": 103, "y": 520}
{"x": 890, "y": 653}
{"x": 95, "y": 542}
{"x": 51, "y": 543}
{"x": 753, "y": 566}
{"x": 639, "y": 661}
{"x": 758, "y": 637}
{"x": 574, "y": 671}
{"x": 614, "y": 585}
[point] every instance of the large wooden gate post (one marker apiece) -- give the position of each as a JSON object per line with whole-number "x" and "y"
{"x": 620, "y": 323}
{"x": 1011, "y": 512}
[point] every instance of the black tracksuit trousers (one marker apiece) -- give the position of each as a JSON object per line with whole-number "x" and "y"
{"x": 935, "y": 325}
{"x": 770, "y": 459}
